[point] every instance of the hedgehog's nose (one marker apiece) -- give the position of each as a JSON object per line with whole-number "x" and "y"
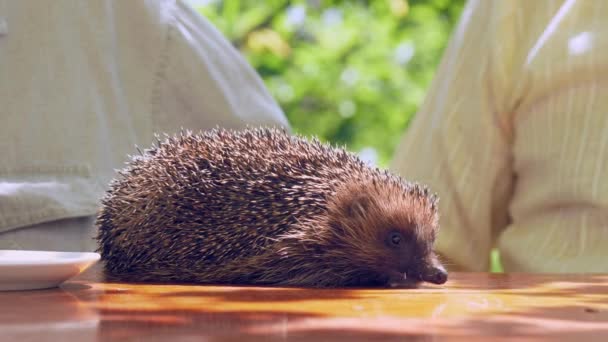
{"x": 436, "y": 275}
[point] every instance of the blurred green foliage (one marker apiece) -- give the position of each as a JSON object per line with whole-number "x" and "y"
{"x": 350, "y": 72}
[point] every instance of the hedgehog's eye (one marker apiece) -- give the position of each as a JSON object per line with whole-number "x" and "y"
{"x": 395, "y": 239}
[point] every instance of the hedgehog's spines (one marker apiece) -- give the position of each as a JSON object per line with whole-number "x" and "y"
{"x": 223, "y": 197}
{"x": 139, "y": 150}
{"x": 158, "y": 141}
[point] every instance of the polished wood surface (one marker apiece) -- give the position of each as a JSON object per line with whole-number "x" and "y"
{"x": 471, "y": 307}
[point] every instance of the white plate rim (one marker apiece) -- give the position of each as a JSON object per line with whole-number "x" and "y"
{"x": 83, "y": 257}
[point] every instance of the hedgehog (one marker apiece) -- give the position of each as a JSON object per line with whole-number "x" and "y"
{"x": 261, "y": 206}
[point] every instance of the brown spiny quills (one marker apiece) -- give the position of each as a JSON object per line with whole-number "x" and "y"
{"x": 260, "y": 206}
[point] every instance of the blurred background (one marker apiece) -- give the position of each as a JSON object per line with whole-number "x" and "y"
{"x": 351, "y": 72}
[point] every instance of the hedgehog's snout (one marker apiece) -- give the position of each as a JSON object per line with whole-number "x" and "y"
{"x": 428, "y": 271}
{"x": 436, "y": 275}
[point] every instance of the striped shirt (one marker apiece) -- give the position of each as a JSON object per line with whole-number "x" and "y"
{"x": 513, "y": 136}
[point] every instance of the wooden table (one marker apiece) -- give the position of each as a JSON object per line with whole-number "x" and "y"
{"x": 469, "y": 307}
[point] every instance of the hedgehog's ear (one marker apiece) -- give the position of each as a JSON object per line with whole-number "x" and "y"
{"x": 359, "y": 206}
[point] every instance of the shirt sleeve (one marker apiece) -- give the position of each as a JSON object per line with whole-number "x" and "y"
{"x": 559, "y": 205}
{"x": 205, "y": 80}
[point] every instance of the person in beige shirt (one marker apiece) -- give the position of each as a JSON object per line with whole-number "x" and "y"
{"x": 513, "y": 137}
{"x": 82, "y": 83}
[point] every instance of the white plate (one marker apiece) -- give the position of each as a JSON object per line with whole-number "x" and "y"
{"x": 29, "y": 270}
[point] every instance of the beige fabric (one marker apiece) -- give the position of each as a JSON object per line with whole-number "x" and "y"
{"x": 68, "y": 235}
{"x": 514, "y": 137}
{"x": 83, "y": 82}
